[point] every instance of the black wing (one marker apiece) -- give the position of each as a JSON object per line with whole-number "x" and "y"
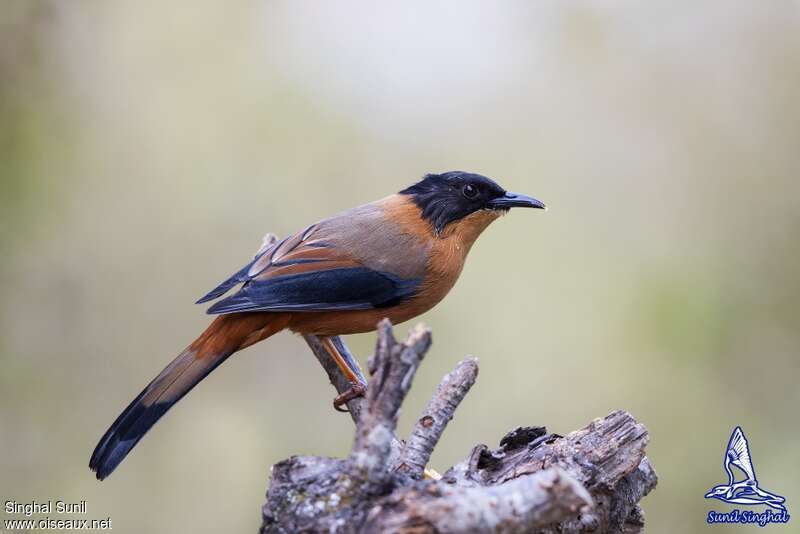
{"x": 305, "y": 274}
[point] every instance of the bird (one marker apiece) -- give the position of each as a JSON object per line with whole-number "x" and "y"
{"x": 745, "y": 491}
{"x": 393, "y": 258}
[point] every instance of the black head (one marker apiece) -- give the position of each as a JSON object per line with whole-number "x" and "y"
{"x": 450, "y": 196}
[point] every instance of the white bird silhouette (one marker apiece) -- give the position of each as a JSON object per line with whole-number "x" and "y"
{"x": 745, "y": 491}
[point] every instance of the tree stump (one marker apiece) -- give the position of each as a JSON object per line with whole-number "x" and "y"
{"x": 590, "y": 480}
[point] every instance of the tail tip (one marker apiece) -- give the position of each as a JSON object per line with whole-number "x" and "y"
{"x": 99, "y": 468}
{"x": 109, "y": 454}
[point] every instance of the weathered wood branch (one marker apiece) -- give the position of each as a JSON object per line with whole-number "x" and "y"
{"x": 396, "y": 365}
{"x": 335, "y": 375}
{"x": 590, "y": 480}
{"x": 521, "y": 505}
{"x": 429, "y": 428}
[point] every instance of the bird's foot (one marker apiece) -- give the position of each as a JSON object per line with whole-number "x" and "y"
{"x": 357, "y": 389}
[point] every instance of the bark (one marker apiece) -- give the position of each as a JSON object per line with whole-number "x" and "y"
{"x": 591, "y": 480}
{"x": 429, "y": 428}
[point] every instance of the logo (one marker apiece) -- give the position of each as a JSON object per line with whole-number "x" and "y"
{"x": 747, "y": 490}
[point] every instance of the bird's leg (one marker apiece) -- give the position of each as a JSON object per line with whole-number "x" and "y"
{"x": 357, "y": 385}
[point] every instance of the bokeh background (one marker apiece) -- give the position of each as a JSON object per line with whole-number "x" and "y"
{"x": 146, "y": 147}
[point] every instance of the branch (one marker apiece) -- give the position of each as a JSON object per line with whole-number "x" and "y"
{"x": 396, "y": 364}
{"x": 527, "y": 503}
{"x": 429, "y": 428}
{"x": 589, "y": 481}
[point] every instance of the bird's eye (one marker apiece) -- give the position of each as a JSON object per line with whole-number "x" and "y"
{"x": 470, "y": 191}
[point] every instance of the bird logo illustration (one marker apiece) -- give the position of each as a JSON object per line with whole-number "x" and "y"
{"x": 747, "y": 490}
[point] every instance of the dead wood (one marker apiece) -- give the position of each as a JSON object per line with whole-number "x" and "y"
{"x": 590, "y": 480}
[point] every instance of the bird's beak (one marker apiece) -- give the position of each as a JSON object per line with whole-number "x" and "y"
{"x": 515, "y": 200}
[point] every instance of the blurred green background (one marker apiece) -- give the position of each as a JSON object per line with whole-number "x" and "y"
{"x": 146, "y": 147}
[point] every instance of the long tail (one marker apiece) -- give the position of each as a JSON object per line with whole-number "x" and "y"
{"x": 224, "y": 336}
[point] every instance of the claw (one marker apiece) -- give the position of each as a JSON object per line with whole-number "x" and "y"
{"x": 357, "y": 389}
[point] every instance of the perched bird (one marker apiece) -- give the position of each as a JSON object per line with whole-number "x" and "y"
{"x": 396, "y": 257}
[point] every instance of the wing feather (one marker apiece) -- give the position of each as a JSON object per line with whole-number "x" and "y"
{"x": 356, "y": 288}
{"x": 310, "y": 271}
